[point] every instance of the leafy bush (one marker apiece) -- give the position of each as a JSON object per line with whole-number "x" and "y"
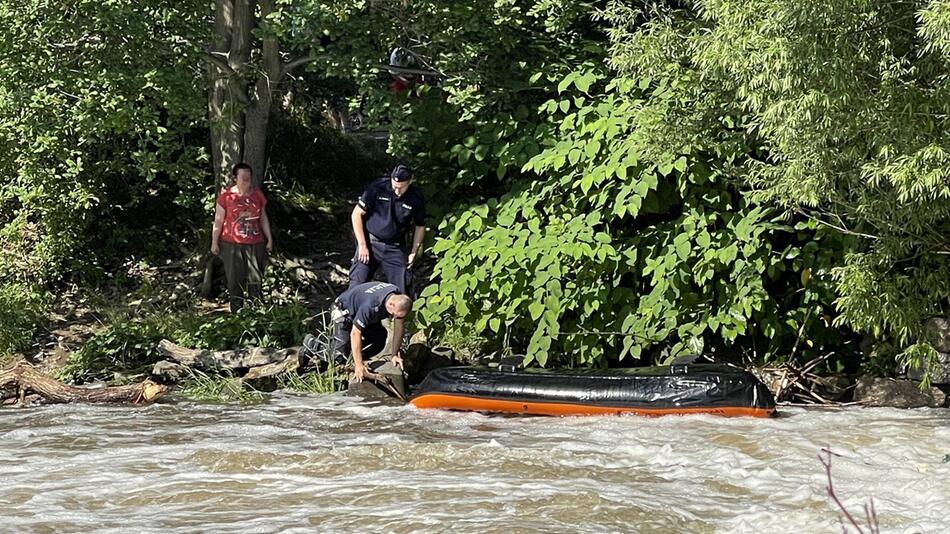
{"x": 850, "y": 103}
{"x": 615, "y": 250}
{"x": 100, "y": 132}
{"x": 21, "y": 313}
{"x": 128, "y": 344}
{"x": 252, "y": 326}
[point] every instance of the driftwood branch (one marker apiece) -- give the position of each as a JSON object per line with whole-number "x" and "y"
{"x": 289, "y": 364}
{"x": 23, "y": 378}
{"x": 208, "y": 360}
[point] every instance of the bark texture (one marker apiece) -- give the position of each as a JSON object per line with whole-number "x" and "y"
{"x": 218, "y": 360}
{"x": 21, "y": 380}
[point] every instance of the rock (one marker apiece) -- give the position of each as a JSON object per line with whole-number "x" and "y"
{"x": 367, "y": 390}
{"x": 169, "y": 371}
{"x": 414, "y": 362}
{"x": 938, "y": 333}
{"x": 939, "y": 370}
{"x": 833, "y": 388}
{"x": 875, "y": 391}
{"x": 374, "y": 390}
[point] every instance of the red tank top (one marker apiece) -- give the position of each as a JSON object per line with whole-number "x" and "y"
{"x": 242, "y": 216}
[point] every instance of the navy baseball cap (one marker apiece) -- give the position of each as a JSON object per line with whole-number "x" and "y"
{"x": 401, "y": 174}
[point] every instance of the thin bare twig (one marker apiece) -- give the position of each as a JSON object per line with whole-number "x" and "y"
{"x": 869, "y": 511}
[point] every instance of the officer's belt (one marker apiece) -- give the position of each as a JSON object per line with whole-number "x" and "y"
{"x": 374, "y": 239}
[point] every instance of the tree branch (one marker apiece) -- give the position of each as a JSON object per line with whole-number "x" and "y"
{"x": 294, "y": 63}
{"x": 218, "y": 59}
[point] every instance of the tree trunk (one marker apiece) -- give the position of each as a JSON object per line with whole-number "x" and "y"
{"x": 239, "y": 109}
{"x": 22, "y": 378}
{"x": 228, "y": 100}
{"x": 258, "y": 113}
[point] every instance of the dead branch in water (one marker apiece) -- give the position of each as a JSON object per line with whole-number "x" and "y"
{"x": 870, "y": 514}
{"x": 23, "y": 379}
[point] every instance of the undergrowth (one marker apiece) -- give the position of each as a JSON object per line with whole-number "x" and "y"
{"x": 21, "y": 313}
{"x": 328, "y": 381}
{"x": 203, "y": 387}
{"x": 128, "y": 343}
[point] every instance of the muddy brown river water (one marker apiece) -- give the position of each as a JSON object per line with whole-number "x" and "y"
{"x": 299, "y": 463}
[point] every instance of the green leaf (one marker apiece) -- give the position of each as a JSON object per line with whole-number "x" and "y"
{"x": 535, "y": 309}
{"x": 680, "y": 164}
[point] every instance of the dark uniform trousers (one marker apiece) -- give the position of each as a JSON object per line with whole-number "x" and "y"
{"x": 374, "y": 338}
{"x": 391, "y": 257}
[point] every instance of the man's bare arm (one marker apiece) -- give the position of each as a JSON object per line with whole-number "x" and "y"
{"x": 356, "y": 342}
{"x": 356, "y": 218}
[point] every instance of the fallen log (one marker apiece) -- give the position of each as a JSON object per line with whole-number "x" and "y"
{"x": 218, "y": 360}
{"x": 266, "y": 377}
{"x": 24, "y": 379}
{"x": 290, "y": 363}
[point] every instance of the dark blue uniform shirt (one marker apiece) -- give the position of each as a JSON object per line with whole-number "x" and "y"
{"x": 366, "y": 302}
{"x": 388, "y": 216}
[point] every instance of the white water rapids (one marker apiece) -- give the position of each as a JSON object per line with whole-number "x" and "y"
{"x": 337, "y": 464}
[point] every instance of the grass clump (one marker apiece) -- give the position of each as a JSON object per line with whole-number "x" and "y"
{"x": 329, "y": 380}
{"x": 203, "y": 387}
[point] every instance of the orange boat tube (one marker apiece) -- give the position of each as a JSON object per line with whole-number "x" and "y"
{"x": 650, "y": 391}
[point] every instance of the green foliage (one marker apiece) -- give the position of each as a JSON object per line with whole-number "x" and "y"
{"x": 849, "y": 102}
{"x": 99, "y": 140}
{"x": 651, "y": 250}
{"x": 463, "y": 341}
{"x": 21, "y": 312}
{"x": 252, "y": 326}
{"x": 471, "y": 132}
{"x": 129, "y": 341}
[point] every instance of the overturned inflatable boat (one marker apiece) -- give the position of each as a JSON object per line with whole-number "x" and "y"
{"x": 679, "y": 389}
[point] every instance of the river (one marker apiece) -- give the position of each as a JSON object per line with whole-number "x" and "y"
{"x": 299, "y": 463}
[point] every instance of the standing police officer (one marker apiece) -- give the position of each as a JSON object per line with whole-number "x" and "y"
{"x": 385, "y": 211}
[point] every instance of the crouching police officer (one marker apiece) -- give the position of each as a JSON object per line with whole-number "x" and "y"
{"x": 357, "y": 316}
{"x": 385, "y": 212}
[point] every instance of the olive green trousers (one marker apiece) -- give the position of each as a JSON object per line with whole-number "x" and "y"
{"x": 244, "y": 269}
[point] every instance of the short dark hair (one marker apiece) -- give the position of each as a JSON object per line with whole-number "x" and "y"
{"x": 238, "y": 167}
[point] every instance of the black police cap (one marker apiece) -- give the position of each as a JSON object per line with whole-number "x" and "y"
{"x": 401, "y": 174}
